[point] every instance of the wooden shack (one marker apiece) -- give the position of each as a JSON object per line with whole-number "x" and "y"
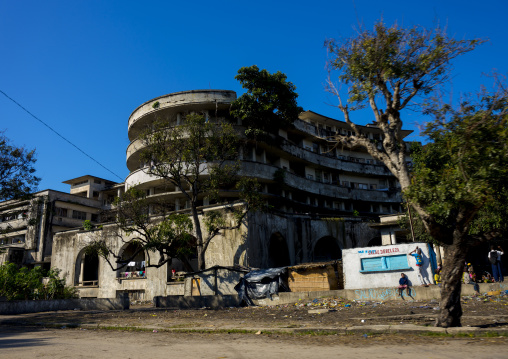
{"x": 312, "y": 277}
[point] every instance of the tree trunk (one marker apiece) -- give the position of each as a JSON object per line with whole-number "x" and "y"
{"x": 199, "y": 237}
{"x": 451, "y": 310}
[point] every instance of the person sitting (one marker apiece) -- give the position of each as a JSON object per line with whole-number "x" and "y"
{"x": 403, "y": 284}
{"x": 437, "y": 277}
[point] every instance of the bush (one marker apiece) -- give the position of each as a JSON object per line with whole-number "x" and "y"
{"x": 23, "y": 283}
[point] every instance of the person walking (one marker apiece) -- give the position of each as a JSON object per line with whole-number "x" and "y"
{"x": 495, "y": 261}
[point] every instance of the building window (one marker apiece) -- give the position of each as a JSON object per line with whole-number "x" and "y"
{"x": 373, "y": 186}
{"x": 61, "y": 212}
{"x": 95, "y": 217}
{"x": 79, "y": 215}
{"x": 97, "y": 181}
{"x": 363, "y": 186}
{"x": 77, "y": 184}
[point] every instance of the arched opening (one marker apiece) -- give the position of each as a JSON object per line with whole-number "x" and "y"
{"x": 278, "y": 253}
{"x": 132, "y": 262}
{"x": 87, "y": 269}
{"x": 179, "y": 267}
{"x": 327, "y": 249}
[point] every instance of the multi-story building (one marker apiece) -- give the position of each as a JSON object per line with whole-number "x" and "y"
{"x": 319, "y": 210}
{"x": 27, "y": 226}
{"x": 319, "y": 177}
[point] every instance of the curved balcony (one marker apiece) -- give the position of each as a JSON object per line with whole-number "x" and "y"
{"x": 171, "y": 104}
{"x": 265, "y": 172}
{"x": 334, "y": 163}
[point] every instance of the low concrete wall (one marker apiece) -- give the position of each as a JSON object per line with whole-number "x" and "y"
{"x": 376, "y": 294}
{"x": 35, "y": 306}
{"x": 186, "y": 302}
{"x": 175, "y": 288}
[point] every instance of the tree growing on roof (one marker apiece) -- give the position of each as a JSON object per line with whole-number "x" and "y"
{"x": 269, "y": 103}
{"x": 391, "y": 69}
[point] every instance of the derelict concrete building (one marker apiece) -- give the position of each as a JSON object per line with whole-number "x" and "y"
{"x": 328, "y": 193}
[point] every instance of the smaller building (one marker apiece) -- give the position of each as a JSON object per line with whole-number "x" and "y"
{"x": 27, "y": 226}
{"x": 378, "y": 267}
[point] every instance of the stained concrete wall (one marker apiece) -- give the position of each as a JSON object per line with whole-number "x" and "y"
{"x": 247, "y": 246}
{"x": 301, "y": 234}
{"x": 226, "y": 280}
{"x": 36, "y": 306}
{"x": 68, "y": 248}
{"x": 209, "y": 301}
{"x": 355, "y": 279}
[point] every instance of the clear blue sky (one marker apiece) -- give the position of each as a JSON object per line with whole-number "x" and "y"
{"x": 84, "y": 66}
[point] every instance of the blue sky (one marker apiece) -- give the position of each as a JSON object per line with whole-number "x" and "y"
{"x": 84, "y": 66}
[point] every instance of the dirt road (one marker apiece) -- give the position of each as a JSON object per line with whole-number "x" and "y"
{"x": 16, "y": 342}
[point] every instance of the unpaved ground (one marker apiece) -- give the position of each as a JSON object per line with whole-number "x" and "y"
{"x": 483, "y": 312}
{"x": 286, "y": 331}
{"x": 77, "y": 343}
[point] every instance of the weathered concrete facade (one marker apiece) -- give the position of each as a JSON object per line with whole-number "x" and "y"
{"x": 27, "y": 226}
{"x": 322, "y": 199}
{"x": 296, "y": 238}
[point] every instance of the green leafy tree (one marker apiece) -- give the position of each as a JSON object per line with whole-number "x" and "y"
{"x": 163, "y": 232}
{"x": 459, "y": 185}
{"x": 269, "y": 103}
{"x": 200, "y": 159}
{"x": 389, "y": 70}
{"x": 17, "y": 178}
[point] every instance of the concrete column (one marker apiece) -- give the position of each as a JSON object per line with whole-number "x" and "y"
{"x": 82, "y": 266}
{"x": 206, "y": 201}
{"x": 253, "y": 154}
{"x": 393, "y": 239}
{"x": 437, "y": 250}
{"x": 177, "y": 204}
{"x": 240, "y": 153}
{"x": 178, "y": 118}
{"x": 264, "y": 156}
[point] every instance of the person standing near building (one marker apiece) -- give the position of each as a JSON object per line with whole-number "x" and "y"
{"x": 417, "y": 254}
{"x": 495, "y": 261}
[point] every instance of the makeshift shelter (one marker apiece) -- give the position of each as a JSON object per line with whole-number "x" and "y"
{"x": 260, "y": 284}
{"x": 311, "y": 277}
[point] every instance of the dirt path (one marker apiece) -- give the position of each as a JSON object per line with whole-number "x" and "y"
{"x": 75, "y": 343}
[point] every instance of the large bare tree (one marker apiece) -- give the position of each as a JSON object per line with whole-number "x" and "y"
{"x": 390, "y": 70}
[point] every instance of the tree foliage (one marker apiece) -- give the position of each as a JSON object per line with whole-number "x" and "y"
{"x": 23, "y": 283}
{"x": 168, "y": 234}
{"x": 269, "y": 103}
{"x": 391, "y": 69}
{"x": 459, "y": 177}
{"x": 17, "y": 178}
